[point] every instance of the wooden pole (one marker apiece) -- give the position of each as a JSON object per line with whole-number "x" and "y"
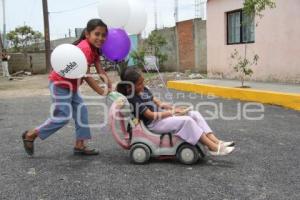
{"x": 46, "y": 35}
{"x": 1, "y": 48}
{"x": 1, "y": 45}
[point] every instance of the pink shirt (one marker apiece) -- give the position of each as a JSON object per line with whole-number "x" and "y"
{"x": 92, "y": 55}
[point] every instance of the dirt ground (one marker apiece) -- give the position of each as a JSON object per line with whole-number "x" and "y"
{"x": 37, "y": 85}
{"x": 25, "y": 87}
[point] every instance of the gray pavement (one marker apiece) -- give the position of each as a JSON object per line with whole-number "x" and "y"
{"x": 276, "y": 87}
{"x": 265, "y": 164}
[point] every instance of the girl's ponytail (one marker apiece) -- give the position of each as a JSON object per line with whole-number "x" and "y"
{"x": 82, "y": 37}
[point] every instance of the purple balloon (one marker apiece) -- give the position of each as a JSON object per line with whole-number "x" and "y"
{"x": 117, "y": 45}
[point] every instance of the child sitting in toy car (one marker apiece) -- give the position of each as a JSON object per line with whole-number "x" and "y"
{"x": 162, "y": 117}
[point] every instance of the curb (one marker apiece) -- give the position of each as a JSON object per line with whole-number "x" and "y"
{"x": 288, "y": 100}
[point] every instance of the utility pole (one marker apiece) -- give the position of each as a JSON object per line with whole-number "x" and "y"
{"x": 1, "y": 45}
{"x": 155, "y": 14}
{"x": 1, "y": 48}
{"x": 204, "y": 7}
{"x": 176, "y": 11}
{"x": 46, "y": 34}
{"x": 69, "y": 32}
{"x": 4, "y": 24}
{"x": 200, "y": 9}
{"x": 197, "y": 8}
{"x": 4, "y": 27}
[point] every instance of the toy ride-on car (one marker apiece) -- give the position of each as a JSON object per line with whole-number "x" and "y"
{"x": 143, "y": 144}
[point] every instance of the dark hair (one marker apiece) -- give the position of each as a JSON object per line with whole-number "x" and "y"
{"x": 91, "y": 25}
{"x": 130, "y": 75}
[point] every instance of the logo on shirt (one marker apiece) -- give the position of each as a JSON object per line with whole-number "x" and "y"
{"x": 70, "y": 67}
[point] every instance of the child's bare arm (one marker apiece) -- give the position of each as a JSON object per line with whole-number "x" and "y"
{"x": 93, "y": 84}
{"x": 103, "y": 75}
{"x": 163, "y": 105}
{"x": 157, "y": 115}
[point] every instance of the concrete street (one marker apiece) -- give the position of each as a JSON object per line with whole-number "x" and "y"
{"x": 265, "y": 164}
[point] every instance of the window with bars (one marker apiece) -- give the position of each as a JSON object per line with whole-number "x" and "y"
{"x": 240, "y": 28}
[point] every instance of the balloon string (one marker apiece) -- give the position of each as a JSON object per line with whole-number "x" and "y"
{"x": 162, "y": 80}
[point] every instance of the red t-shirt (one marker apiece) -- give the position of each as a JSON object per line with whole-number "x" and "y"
{"x": 92, "y": 56}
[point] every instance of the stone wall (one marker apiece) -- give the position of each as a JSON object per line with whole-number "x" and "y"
{"x": 33, "y": 62}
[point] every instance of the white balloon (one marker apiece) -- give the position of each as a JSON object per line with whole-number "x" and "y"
{"x": 115, "y": 13}
{"x": 138, "y": 17}
{"x": 69, "y": 61}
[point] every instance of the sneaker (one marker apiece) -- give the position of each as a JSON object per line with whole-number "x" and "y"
{"x": 222, "y": 150}
{"x": 85, "y": 152}
{"x": 227, "y": 144}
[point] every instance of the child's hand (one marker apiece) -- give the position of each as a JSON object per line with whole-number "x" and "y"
{"x": 109, "y": 85}
{"x": 110, "y": 90}
{"x": 166, "y": 106}
{"x": 179, "y": 111}
{"x": 107, "y": 91}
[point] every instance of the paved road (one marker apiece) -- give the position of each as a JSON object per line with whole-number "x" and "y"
{"x": 264, "y": 166}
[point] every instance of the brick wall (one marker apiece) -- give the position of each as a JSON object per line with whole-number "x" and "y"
{"x": 186, "y": 46}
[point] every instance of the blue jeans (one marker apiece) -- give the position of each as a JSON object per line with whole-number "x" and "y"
{"x": 66, "y": 104}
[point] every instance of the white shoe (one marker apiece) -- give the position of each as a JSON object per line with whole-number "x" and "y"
{"x": 222, "y": 150}
{"x": 227, "y": 144}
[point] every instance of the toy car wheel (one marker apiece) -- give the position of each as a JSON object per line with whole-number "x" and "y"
{"x": 139, "y": 154}
{"x": 188, "y": 154}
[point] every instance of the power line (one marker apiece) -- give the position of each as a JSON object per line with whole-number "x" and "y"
{"x": 73, "y": 9}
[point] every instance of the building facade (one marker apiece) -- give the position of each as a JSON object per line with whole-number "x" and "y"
{"x": 275, "y": 38}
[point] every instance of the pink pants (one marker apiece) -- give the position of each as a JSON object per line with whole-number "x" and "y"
{"x": 189, "y": 127}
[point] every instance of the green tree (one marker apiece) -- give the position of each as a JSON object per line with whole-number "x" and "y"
{"x": 138, "y": 57}
{"x": 251, "y": 8}
{"x": 23, "y": 37}
{"x": 155, "y": 42}
{"x": 256, "y": 7}
{"x": 243, "y": 65}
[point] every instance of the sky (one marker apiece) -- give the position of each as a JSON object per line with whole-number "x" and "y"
{"x": 29, "y": 12}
